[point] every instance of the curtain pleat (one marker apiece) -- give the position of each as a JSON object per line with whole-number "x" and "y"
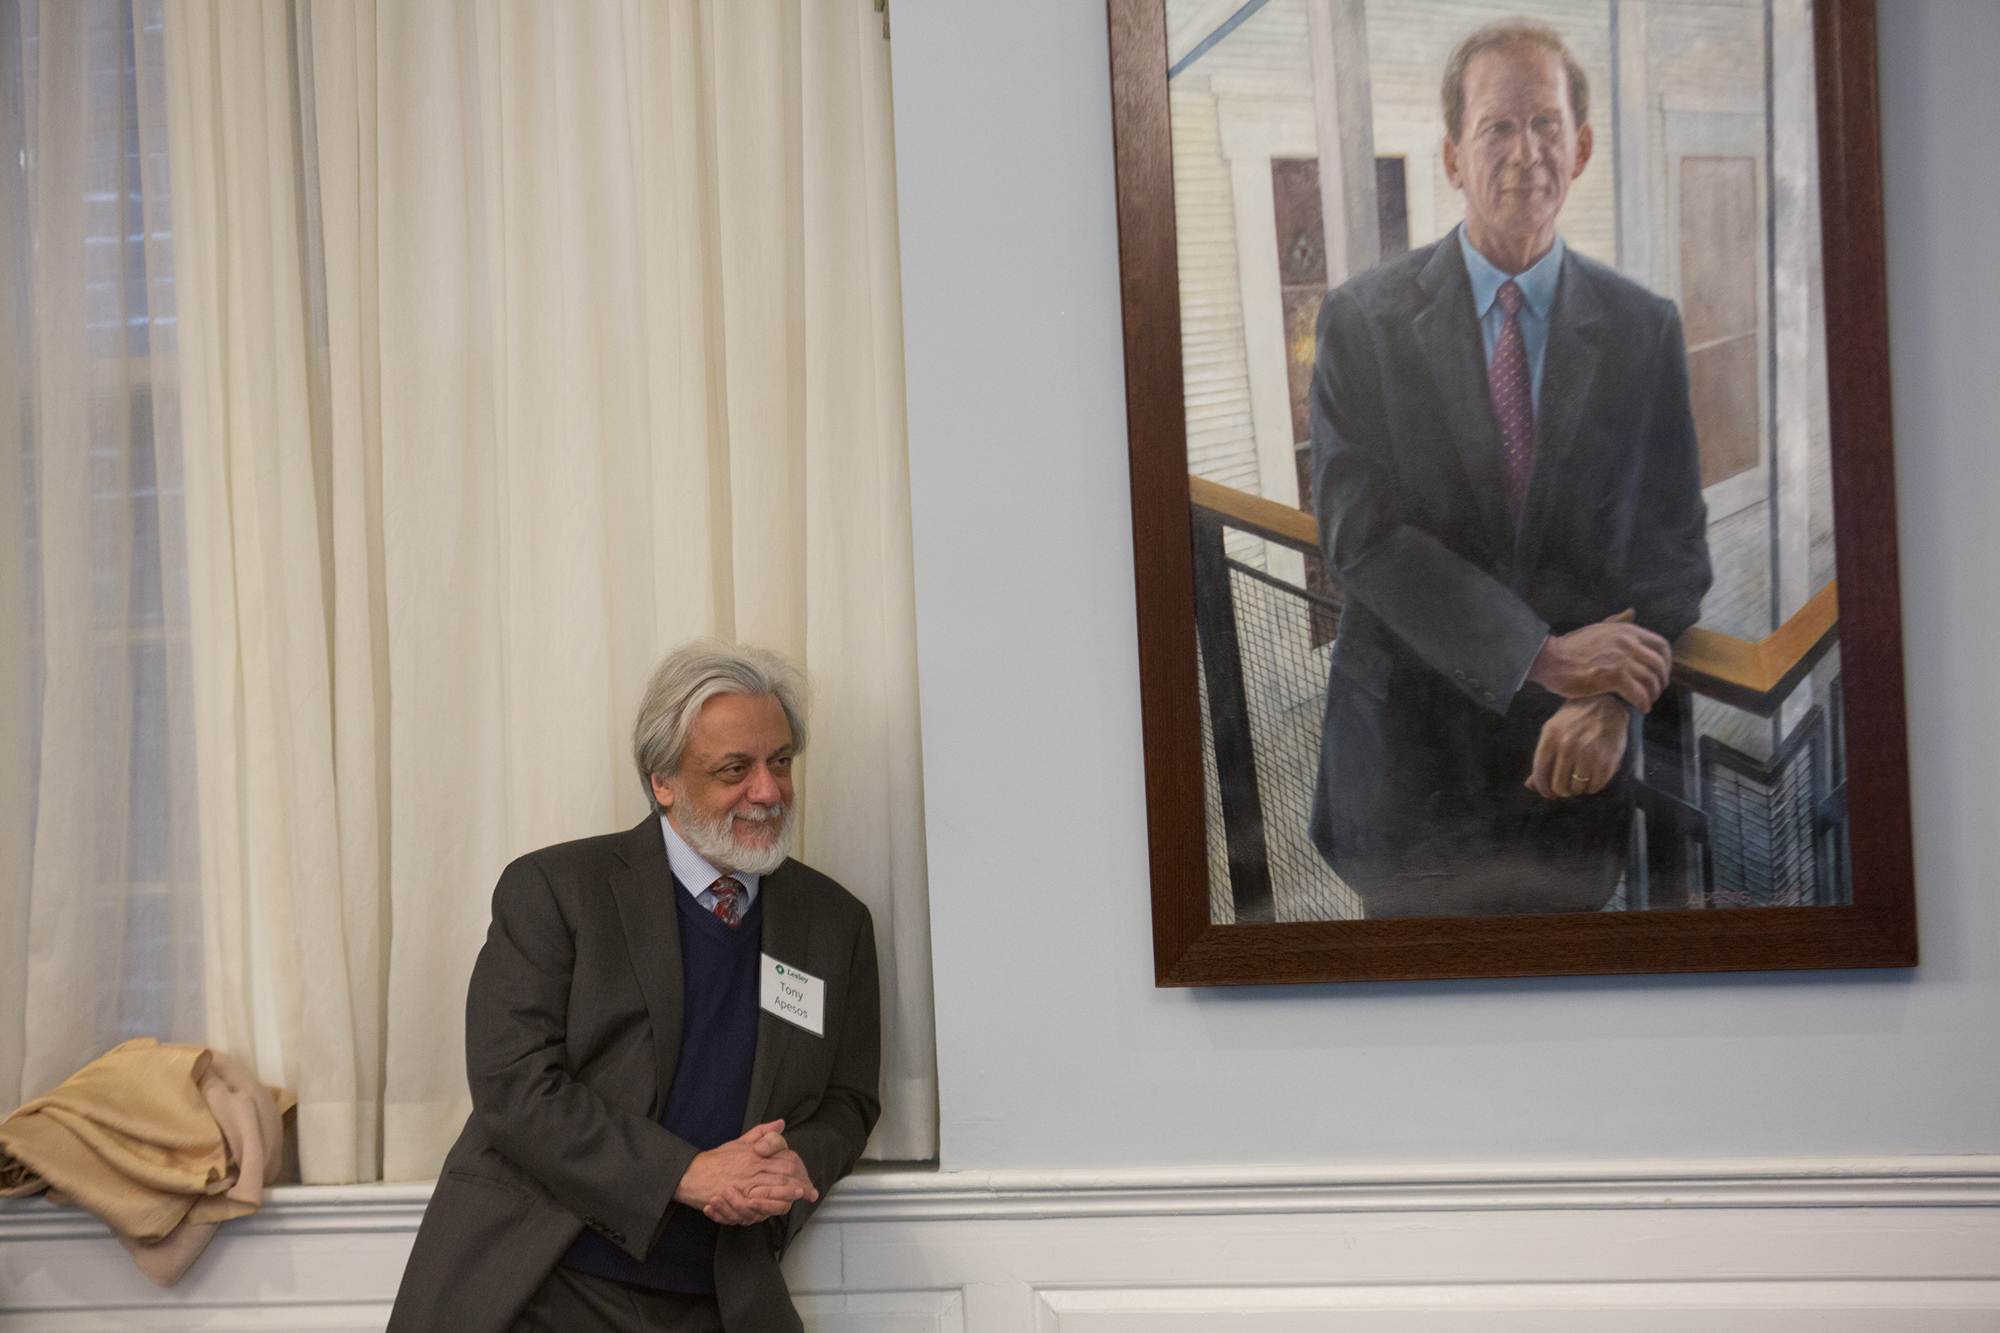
{"x": 19, "y": 704}
{"x": 533, "y": 339}
{"x": 857, "y": 542}
{"x": 290, "y": 788}
{"x": 99, "y": 906}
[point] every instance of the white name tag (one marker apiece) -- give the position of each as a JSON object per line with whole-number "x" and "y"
{"x": 792, "y": 995}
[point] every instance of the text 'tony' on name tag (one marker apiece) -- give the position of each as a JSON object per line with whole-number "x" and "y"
{"x": 792, "y": 995}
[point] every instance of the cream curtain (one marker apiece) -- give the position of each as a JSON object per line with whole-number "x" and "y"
{"x": 520, "y": 342}
{"x": 100, "y": 911}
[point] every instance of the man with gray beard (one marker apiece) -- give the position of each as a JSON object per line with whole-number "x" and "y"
{"x": 672, "y": 1039}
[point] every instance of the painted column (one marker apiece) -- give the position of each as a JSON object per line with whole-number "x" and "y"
{"x": 1343, "y": 112}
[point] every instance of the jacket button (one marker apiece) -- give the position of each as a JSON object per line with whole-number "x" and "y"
{"x": 1489, "y": 696}
{"x": 1459, "y": 675}
{"x": 616, "y": 1236}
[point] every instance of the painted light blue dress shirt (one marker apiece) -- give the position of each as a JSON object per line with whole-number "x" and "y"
{"x": 1538, "y": 293}
{"x": 697, "y": 875}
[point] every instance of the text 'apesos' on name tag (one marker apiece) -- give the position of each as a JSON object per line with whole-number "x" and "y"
{"x": 796, "y": 997}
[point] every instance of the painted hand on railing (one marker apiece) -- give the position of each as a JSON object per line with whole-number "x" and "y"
{"x": 1580, "y": 748}
{"x": 1614, "y": 656}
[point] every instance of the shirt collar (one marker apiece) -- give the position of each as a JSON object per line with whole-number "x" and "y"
{"x": 1538, "y": 284}
{"x": 693, "y": 870}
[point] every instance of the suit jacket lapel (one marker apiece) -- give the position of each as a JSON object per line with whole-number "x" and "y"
{"x": 786, "y": 926}
{"x": 1448, "y": 330}
{"x": 1568, "y": 366}
{"x": 645, "y": 897}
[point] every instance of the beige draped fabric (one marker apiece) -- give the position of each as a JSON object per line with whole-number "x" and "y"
{"x": 161, "y": 1142}
{"x": 521, "y": 342}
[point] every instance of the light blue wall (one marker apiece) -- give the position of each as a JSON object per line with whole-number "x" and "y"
{"x": 1054, "y": 1048}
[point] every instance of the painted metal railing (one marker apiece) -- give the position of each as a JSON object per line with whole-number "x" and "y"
{"x": 1717, "y": 825}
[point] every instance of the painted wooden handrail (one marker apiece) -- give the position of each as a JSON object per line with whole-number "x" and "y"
{"x": 1284, "y": 524}
{"x": 1757, "y": 677}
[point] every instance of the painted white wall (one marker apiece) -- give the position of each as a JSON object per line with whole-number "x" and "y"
{"x": 1054, "y": 1047}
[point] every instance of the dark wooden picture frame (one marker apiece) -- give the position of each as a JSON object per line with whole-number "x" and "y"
{"x": 1878, "y": 928}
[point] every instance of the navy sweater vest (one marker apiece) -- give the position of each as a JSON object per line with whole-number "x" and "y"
{"x": 710, "y": 1093}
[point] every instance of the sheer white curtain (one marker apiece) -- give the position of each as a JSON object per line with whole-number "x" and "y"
{"x": 99, "y": 908}
{"x": 521, "y": 342}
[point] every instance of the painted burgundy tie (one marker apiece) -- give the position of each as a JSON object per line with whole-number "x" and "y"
{"x": 1513, "y": 401}
{"x": 729, "y": 896}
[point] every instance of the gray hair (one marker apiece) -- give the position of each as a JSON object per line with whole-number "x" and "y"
{"x": 689, "y": 677}
{"x": 1501, "y": 36}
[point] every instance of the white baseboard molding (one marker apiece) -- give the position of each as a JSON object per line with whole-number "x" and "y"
{"x": 1870, "y": 1182}
{"x": 1820, "y": 1246}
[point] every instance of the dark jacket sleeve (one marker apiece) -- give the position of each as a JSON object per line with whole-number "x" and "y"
{"x": 615, "y": 1170}
{"x": 1670, "y": 572}
{"x": 830, "y": 1140}
{"x": 1459, "y": 620}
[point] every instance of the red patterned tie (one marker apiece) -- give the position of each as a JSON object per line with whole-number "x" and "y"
{"x": 1513, "y": 401}
{"x": 729, "y": 897}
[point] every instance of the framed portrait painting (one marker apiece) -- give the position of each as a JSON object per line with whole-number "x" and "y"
{"x": 1513, "y": 504}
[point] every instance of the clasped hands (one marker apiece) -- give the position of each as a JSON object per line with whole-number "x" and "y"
{"x": 747, "y": 1179}
{"x": 1597, "y": 670}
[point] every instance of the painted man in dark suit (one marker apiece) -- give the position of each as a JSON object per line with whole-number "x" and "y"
{"x": 1508, "y": 489}
{"x": 672, "y": 1040}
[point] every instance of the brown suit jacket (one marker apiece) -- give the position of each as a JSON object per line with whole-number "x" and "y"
{"x": 572, "y": 1034}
